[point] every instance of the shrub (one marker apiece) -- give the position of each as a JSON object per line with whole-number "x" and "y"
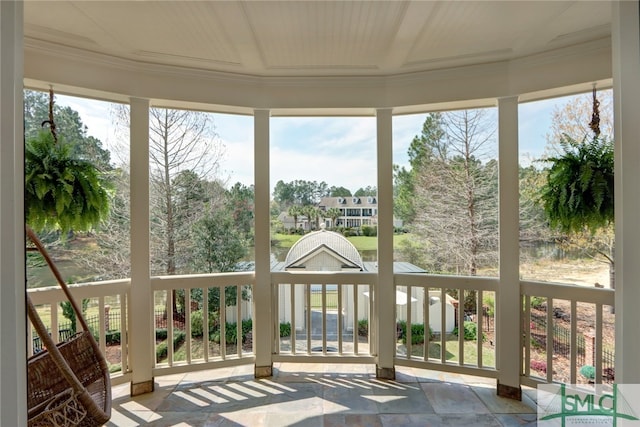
{"x": 538, "y": 365}
{"x": 161, "y": 334}
{"x": 247, "y": 326}
{"x": 490, "y": 302}
{"x": 588, "y": 371}
{"x": 231, "y": 333}
{"x": 162, "y": 350}
{"x": 417, "y": 332}
{"x": 537, "y": 302}
{"x": 349, "y": 232}
{"x": 197, "y": 329}
{"x": 363, "y": 327}
{"x": 285, "y": 329}
{"x": 113, "y": 338}
{"x": 470, "y": 331}
{"x": 368, "y": 230}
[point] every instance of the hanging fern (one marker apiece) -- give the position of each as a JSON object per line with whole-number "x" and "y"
{"x": 579, "y": 189}
{"x": 62, "y": 191}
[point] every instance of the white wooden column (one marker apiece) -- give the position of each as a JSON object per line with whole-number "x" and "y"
{"x": 263, "y": 320}
{"x": 13, "y": 390}
{"x": 508, "y": 345}
{"x": 141, "y": 334}
{"x": 385, "y": 295}
{"x": 626, "y": 95}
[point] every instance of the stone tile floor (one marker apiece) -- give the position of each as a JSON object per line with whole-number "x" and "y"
{"x": 320, "y": 395}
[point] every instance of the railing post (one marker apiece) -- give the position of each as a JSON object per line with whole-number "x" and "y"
{"x": 626, "y": 94}
{"x": 13, "y": 388}
{"x": 263, "y": 322}
{"x": 140, "y": 329}
{"x": 508, "y": 302}
{"x": 385, "y": 295}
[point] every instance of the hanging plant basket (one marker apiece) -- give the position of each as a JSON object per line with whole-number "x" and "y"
{"x": 62, "y": 190}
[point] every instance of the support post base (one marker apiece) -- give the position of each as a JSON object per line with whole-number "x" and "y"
{"x": 385, "y": 373}
{"x": 263, "y": 371}
{"x": 509, "y": 392}
{"x": 142, "y": 388}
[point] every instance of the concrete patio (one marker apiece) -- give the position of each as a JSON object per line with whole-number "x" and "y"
{"x": 321, "y": 395}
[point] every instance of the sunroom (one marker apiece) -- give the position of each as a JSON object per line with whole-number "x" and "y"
{"x": 276, "y": 61}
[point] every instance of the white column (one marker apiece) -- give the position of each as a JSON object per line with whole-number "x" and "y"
{"x": 141, "y": 334}
{"x": 263, "y": 318}
{"x": 508, "y": 344}
{"x": 385, "y": 296}
{"x": 13, "y": 390}
{"x": 626, "y": 94}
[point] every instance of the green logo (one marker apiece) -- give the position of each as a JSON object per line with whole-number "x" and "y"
{"x": 586, "y": 407}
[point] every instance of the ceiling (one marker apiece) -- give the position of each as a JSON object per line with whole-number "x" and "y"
{"x": 316, "y": 38}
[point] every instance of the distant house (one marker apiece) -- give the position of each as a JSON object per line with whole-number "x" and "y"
{"x": 356, "y": 211}
{"x": 329, "y": 251}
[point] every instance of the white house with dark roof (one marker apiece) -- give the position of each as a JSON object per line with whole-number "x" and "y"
{"x": 356, "y": 211}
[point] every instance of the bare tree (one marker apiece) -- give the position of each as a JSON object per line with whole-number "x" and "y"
{"x": 183, "y": 152}
{"x": 456, "y": 192}
{"x": 573, "y": 117}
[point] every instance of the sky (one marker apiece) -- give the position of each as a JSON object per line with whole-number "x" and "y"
{"x": 340, "y": 151}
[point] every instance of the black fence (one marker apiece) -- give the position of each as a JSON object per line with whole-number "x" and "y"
{"x": 65, "y": 330}
{"x": 608, "y": 369}
{"x": 561, "y": 339}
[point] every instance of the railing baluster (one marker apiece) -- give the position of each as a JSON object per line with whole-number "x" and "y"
{"x": 461, "y": 298}
{"x": 598, "y": 346}
{"x": 169, "y": 298}
{"x": 479, "y": 330}
{"x": 187, "y": 323}
{"x": 355, "y": 323}
{"x": 124, "y": 332}
{"x": 356, "y": 316}
{"x": 443, "y": 327}
{"x": 223, "y": 321}
{"x": 427, "y": 322}
{"x": 527, "y": 335}
{"x": 408, "y": 337}
{"x": 102, "y": 331}
{"x": 205, "y": 323}
{"x": 54, "y": 323}
{"x": 308, "y": 314}
{"x": 324, "y": 318}
{"x": 550, "y": 333}
{"x": 574, "y": 341}
{"x": 293, "y": 318}
{"x": 239, "y": 318}
{"x": 372, "y": 332}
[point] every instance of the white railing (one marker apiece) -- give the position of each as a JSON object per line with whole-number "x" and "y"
{"x": 436, "y": 346}
{"x": 322, "y": 317}
{"x": 319, "y": 316}
{"x": 218, "y": 342}
{"x": 105, "y": 297}
{"x": 557, "y": 341}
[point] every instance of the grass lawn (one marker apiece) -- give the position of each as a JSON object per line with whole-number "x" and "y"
{"x": 470, "y": 351}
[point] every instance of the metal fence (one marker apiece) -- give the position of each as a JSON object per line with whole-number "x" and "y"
{"x": 561, "y": 338}
{"x": 66, "y": 331}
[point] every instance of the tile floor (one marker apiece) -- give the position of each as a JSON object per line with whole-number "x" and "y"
{"x": 312, "y": 395}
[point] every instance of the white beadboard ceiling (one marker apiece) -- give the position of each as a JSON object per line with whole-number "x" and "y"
{"x": 317, "y": 38}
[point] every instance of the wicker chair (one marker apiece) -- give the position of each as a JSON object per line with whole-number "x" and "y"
{"x": 68, "y": 384}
